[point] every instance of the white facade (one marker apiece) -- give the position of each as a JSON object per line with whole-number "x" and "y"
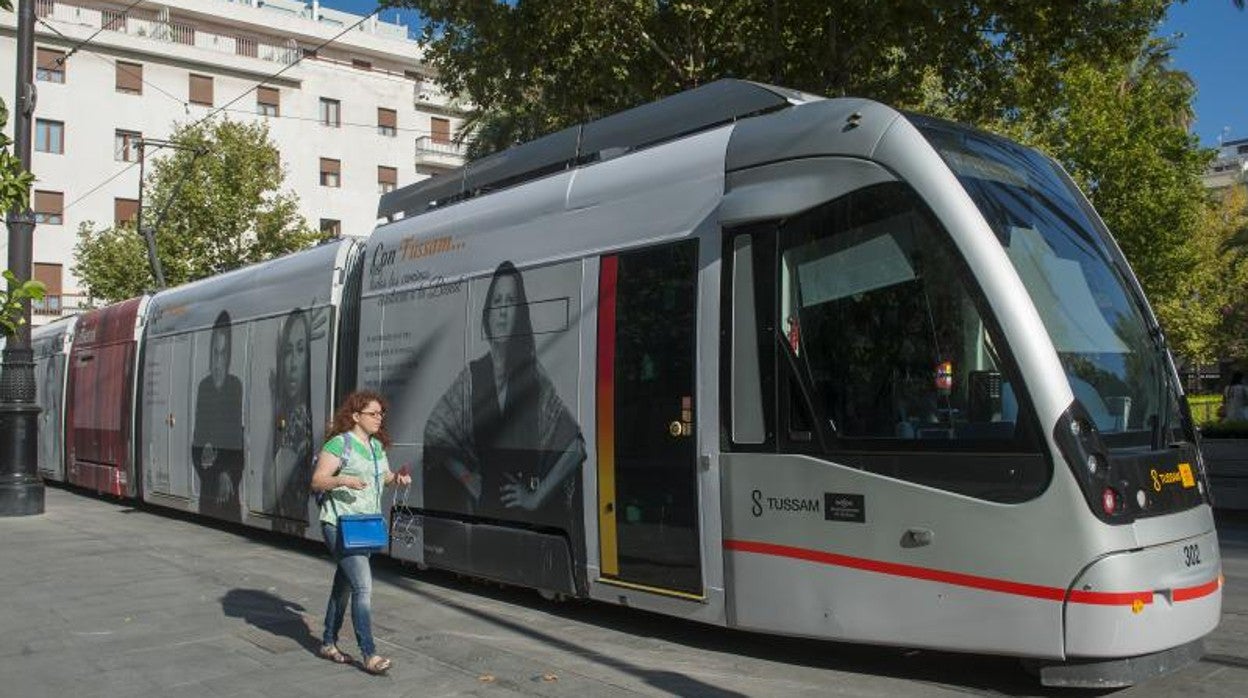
{"x": 1230, "y": 165}
{"x": 237, "y": 44}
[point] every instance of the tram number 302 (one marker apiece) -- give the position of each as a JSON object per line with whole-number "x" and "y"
{"x": 1191, "y": 555}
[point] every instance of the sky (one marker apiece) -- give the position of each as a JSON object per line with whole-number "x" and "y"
{"x": 361, "y": 7}
{"x": 1209, "y": 51}
{"x": 1211, "y": 33}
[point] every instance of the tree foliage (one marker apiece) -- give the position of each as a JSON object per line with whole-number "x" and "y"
{"x": 1120, "y": 129}
{"x": 534, "y": 66}
{"x": 230, "y": 211}
{"x": 1084, "y": 81}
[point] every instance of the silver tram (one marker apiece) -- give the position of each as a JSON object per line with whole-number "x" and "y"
{"x": 746, "y": 356}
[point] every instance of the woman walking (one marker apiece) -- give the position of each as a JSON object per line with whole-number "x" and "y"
{"x": 351, "y": 470}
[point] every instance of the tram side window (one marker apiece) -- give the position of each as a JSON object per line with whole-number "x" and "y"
{"x": 882, "y": 328}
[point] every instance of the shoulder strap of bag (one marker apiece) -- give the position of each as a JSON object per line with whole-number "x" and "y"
{"x": 372, "y": 449}
{"x": 346, "y": 450}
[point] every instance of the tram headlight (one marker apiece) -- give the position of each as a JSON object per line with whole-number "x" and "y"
{"x": 1080, "y": 445}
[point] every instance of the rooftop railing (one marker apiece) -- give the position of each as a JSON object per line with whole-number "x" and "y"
{"x": 157, "y": 26}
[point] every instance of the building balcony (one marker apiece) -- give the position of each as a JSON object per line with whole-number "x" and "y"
{"x": 439, "y": 153}
{"x": 1226, "y": 171}
{"x": 427, "y": 96}
{"x": 58, "y": 305}
{"x": 157, "y": 26}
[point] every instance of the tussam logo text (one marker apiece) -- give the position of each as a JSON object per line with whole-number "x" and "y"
{"x": 783, "y": 504}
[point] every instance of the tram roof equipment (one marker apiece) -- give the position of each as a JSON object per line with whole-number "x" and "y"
{"x": 699, "y": 109}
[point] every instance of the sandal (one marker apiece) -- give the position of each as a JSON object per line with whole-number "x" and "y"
{"x": 376, "y": 665}
{"x": 333, "y": 654}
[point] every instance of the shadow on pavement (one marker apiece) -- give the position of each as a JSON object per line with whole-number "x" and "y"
{"x": 270, "y": 613}
{"x": 944, "y": 670}
{"x": 671, "y": 682}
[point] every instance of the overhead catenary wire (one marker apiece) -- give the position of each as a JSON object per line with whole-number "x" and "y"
{"x": 262, "y": 82}
{"x": 288, "y": 66}
{"x": 103, "y": 25}
{"x": 318, "y": 120}
{"x": 117, "y": 64}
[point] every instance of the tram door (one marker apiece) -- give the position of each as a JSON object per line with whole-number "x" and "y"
{"x": 647, "y": 479}
{"x": 166, "y": 384}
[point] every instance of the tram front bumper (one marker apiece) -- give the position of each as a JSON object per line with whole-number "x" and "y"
{"x": 1145, "y": 601}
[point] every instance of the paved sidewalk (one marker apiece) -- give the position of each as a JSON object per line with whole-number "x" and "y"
{"x": 102, "y": 599}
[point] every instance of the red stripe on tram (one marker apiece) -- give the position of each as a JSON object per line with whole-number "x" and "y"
{"x": 1036, "y": 591}
{"x": 606, "y": 327}
{"x": 1197, "y": 592}
{"x": 608, "y": 539}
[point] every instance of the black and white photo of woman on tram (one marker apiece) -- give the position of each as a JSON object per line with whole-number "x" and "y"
{"x": 500, "y": 443}
{"x": 292, "y": 407}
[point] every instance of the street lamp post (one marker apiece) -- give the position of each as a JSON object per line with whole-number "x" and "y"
{"x": 21, "y": 490}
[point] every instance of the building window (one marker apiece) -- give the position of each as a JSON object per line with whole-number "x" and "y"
{"x": 125, "y": 212}
{"x": 387, "y": 178}
{"x": 440, "y": 130}
{"x": 387, "y": 121}
{"x": 50, "y": 275}
{"x": 1241, "y": 150}
{"x": 201, "y": 90}
{"x": 309, "y": 53}
{"x": 331, "y": 228}
{"x": 129, "y": 78}
{"x": 359, "y": 64}
{"x": 413, "y": 75}
{"x": 49, "y": 207}
{"x": 268, "y": 101}
{"x": 50, "y": 136}
{"x": 126, "y": 145}
{"x": 49, "y": 65}
{"x": 331, "y": 173}
{"x": 331, "y": 112}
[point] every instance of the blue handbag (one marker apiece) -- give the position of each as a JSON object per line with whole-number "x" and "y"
{"x": 363, "y": 533}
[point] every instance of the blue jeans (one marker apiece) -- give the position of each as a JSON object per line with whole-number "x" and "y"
{"x": 353, "y": 583}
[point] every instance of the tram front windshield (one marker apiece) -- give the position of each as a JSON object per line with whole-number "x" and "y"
{"x": 1116, "y": 367}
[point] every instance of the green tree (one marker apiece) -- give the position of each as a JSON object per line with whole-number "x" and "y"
{"x": 1084, "y": 82}
{"x": 230, "y": 211}
{"x": 533, "y": 66}
{"x": 1121, "y": 130}
{"x": 14, "y": 194}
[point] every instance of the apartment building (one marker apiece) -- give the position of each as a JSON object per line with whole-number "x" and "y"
{"x": 352, "y": 115}
{"x": 1230, "y": 165}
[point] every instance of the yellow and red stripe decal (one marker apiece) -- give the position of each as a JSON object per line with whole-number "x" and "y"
{"x": 608, "y": 550}
{"x": 1134, "y": 599}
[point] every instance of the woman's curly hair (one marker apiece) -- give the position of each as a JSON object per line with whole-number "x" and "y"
{"x": 357, "y": 402}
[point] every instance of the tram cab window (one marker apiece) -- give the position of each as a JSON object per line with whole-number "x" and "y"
{"x": 881, "y": 329}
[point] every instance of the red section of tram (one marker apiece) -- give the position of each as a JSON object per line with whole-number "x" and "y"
{"x": 101, "y": 400}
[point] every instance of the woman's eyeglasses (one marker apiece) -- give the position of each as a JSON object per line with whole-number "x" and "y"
{"x": 379, "y": 414}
